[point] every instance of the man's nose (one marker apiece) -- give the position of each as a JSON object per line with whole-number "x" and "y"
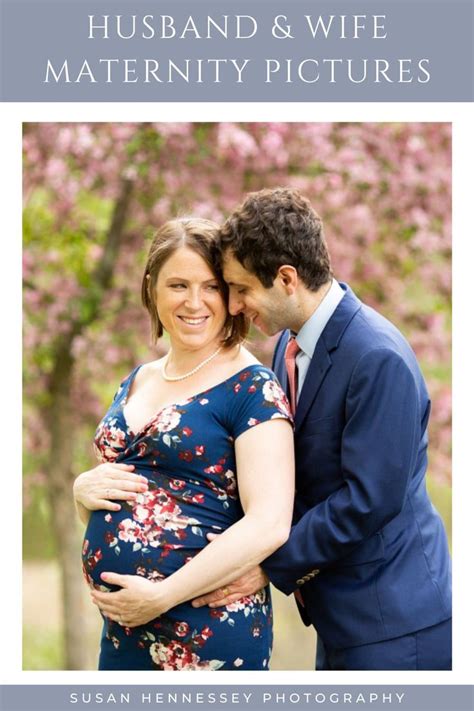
{"x": 236, "y": 305}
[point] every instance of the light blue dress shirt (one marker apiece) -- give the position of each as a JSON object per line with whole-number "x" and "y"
{"x": 309, "y": 334}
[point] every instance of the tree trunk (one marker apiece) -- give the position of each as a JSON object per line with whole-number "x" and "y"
{"x": 60, "y": 479}
{"x": 60, "y": 465}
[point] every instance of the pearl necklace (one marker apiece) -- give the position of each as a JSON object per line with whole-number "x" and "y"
{"x": 174, "y": 378}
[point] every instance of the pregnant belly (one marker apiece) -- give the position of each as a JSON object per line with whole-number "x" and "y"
{"x": 153, "y": 537}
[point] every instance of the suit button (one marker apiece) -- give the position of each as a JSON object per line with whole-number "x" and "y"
{"x": 316, "y": 571}
{"x": 300, "y": 581}
{"x": 306, "y": 578}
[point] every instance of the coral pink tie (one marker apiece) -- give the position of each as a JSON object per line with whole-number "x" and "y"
{"x": 292, "y": 350}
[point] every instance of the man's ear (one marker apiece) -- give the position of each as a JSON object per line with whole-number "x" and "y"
{"x": 288, "y": 277}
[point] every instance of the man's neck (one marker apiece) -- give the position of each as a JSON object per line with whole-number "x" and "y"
{"x": 308, "y": 302}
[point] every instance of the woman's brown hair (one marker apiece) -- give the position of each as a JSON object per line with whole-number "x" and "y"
{"x": 199, "y": 235}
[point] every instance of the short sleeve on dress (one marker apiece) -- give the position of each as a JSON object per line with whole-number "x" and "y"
{"x": 256, "y": 396}
{"x": 124, "y": 383}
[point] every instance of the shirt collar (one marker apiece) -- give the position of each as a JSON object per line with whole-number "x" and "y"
{"x": 312, "y": 329}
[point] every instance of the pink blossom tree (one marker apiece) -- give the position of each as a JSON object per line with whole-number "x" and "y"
{"x": 94, "y": 194}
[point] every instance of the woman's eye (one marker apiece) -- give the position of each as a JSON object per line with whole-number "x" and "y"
{"x": 178, "y": 286}
{"x": 213, "y": 287}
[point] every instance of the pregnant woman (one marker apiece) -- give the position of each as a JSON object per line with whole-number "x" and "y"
{"x": 198, "y": 442}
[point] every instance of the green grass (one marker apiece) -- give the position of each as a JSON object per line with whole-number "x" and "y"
{"x": 441, "y": 496}
{"x": 42, "y": 649}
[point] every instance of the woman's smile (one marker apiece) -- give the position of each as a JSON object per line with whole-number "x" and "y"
{"x": 189, "y": 302}
{"x": 194, "y": 320}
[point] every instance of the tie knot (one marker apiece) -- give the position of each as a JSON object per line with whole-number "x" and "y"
{"x": 292, "y": 349}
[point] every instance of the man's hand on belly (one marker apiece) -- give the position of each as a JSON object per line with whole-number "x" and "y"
{"x": 248, "y": 584}
{"x": 138, "y": 602}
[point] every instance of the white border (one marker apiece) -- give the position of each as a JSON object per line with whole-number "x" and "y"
{"x": 462, "y": 117}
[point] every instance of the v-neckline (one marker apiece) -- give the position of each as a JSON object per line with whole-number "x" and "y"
{"x": 191, "y": 398}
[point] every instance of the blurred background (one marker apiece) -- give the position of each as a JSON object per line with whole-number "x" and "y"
{"x": 93, "y": 196}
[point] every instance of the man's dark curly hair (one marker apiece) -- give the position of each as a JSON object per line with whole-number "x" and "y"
{"x": 278, "y": 226}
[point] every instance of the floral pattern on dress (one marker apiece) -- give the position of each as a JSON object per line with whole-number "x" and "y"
{"x": 180, "y": 654}
{"x": 90, "y": 559}
{"x": 154, "y": 512}
{"x": 256, "y": 607}
{"x": 167, "y": 419}
{"x": 112, "y": 440}
{"x": 187, "y": 453}
{"x": 273, "y": 394}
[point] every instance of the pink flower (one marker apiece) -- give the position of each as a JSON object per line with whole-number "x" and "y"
{"x": 273, "y": 393}
{"x": 206, "y": 632}
{"x": 130, "y": 532}
{"x": 217, "y": 614}
{"x": 177, "y": 484}
{"x": 167, "y": 419}
{"x": 109, "y": 441}
{"x": 181, "y": 629}
{"x": 214, "y": 469}
{"x": 180, "y": 657}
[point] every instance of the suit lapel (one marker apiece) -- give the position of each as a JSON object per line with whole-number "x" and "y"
{"x": 279, "y": 361}
{"x": 321, "y": 361}
{"x": 319, "y": 366}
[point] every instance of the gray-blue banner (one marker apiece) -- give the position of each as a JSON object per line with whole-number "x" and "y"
{"x": 253, "y": 698}
{"x": 237, "y": 50}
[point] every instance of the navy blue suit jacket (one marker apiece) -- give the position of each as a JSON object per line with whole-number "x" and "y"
{"x": 367, "y": 549}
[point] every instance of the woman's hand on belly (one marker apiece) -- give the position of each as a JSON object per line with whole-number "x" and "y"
{"x": 101, "y": 487}
{"x": 139, "y": 601}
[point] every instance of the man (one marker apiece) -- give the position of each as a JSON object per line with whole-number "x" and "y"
{"x": 367, "y": 556}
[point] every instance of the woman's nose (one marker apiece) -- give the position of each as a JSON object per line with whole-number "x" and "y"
{"x": 194, "y": 299}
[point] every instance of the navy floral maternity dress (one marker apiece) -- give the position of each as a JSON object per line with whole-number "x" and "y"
{"x": 187, "y": 453}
